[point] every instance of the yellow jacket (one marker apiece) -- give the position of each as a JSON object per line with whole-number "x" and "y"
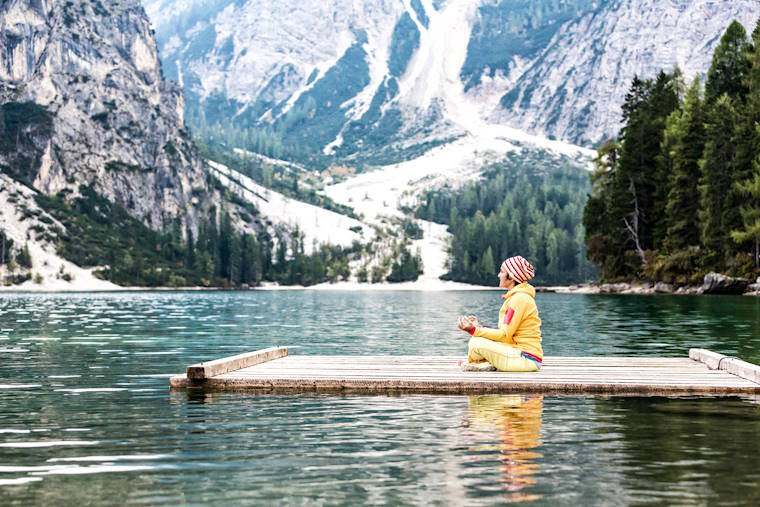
{"x": 519, "y": 324}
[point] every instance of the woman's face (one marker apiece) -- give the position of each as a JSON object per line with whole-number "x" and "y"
{"x": 504, "y": 278}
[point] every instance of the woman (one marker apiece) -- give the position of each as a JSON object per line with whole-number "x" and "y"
{"x": 516, "y": 344}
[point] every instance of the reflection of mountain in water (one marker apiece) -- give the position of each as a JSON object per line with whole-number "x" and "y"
{"x": 515, "y": 422}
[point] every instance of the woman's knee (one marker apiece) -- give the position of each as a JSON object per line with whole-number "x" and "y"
{"x": 475, "y": 342}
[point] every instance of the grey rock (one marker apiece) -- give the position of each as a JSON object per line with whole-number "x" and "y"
{"x": 663, "y": 288}
{"x": 717, "y": 283}
{"x": 689, "y": 289}
{"x": 614, "y": 288}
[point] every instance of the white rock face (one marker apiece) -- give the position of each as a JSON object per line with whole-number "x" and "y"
{"x": 116, "y": 124}
{"x": 579, "y": 82}
{"x": 269, "y": 35}
{"x": 571, "y": 89}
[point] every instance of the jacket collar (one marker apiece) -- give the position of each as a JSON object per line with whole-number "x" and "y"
{"x": 524, "y": 288}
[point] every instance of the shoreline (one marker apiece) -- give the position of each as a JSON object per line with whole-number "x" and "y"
{"x": 592, "y": 288}
{"x": 426, "y": 286}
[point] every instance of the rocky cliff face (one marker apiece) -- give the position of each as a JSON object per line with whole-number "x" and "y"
{"x": 85, "y": 103}
{"x": 574, "y": 87}
{"x": 355, "y": 77}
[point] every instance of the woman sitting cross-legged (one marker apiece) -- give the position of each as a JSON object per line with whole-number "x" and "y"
{"x": 516, "y": 344}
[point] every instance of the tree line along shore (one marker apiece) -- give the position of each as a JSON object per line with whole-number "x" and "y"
{"x": 677, "y": 195}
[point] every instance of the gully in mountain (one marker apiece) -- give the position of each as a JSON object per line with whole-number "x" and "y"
{"x": 516, "y": 344}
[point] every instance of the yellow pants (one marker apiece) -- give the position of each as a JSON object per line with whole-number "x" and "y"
{"x": 501, "y": 355}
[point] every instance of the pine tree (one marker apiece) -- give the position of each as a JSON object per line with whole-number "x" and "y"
{"x": 224, "y": 247}
{"x": 487, "y": 267}
{"x": 245, "y": 259}
{"x": 176, "y": 238}
{"x": 233, "y": 268}
{"x": 5, "y": 246}
{"x": 599, "y": 228}
{"x": 750, "y": 213}
{"x": 663, "y": 100}
{"x": 213, "y": 239}
{"x": 280, "y": 256}
{"x": 716, "y": 181}
{"x": 189, "y": 259}
{"x": 729, "y": 65}
{"x": 635, "y": 201}
{"x": 748, "y": 148}
{"x": 683, "y": 145}
{"x": 23, "y": 258}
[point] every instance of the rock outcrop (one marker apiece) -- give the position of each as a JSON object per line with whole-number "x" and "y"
{"x": 84, "y": 102}
{"x": 663, "y": 288}
{"x": 716, "y": 283}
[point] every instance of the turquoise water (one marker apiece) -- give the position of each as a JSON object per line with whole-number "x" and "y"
{"x": 86, "y": 415}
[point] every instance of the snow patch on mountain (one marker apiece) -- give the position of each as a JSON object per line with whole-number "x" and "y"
{"x": 318, "y": 225}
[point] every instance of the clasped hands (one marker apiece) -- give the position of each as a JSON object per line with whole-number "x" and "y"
{"x": 467, "y": 322}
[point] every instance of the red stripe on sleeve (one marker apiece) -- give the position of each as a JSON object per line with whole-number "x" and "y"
{"x": 508, "y": 316}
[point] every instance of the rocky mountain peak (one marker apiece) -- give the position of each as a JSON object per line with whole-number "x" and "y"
{"x": 85, "y": 103}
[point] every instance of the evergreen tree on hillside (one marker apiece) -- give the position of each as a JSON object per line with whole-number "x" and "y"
{"x": 716, "y": 181}
{"x": 604, "y": 238}
{"x": 729, "y": 65}
{"x": 750, "y": 232}
{"x": 224, "y": 246}
{"x": 189, "y": 259}
{"x": 637, "y": 183}
{"x": 487, "y": 266}
{"x": 23, "y": 258}
{"x": 682, "y": 146}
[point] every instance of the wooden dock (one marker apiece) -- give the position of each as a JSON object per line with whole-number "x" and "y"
{"x": 704, "y": 372}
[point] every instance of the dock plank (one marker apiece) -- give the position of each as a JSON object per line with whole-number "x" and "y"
{"x": 440, "y": 374}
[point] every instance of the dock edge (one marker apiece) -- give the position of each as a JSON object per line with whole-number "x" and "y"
{"x": 729, "y": 364}
{"x": 200, "y": 372}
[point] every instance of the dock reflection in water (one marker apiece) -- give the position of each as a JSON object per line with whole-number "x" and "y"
{"x": 514, "y": 423}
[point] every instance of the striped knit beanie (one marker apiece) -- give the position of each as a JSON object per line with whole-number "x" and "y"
{"x": 519, "y": 269}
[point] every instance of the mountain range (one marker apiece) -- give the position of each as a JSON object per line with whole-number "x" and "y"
{"x": 381, "y": 81}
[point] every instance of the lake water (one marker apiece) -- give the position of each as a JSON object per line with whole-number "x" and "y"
{"x": 86, "y": 415}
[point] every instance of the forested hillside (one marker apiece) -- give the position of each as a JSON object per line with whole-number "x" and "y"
{"x": 526, "y": 205}
{"x": 677, "y": 194}
{"x": 102, "y": 234}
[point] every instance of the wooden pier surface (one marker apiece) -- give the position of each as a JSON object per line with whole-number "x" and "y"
{"x": 706, "y": 373}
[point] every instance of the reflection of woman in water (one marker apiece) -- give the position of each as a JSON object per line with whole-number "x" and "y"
{"x": 516, "y": 344}
{"x": 517, "y": 419}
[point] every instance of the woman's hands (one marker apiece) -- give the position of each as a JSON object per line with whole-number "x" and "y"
{"x": 467, "y": 322}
